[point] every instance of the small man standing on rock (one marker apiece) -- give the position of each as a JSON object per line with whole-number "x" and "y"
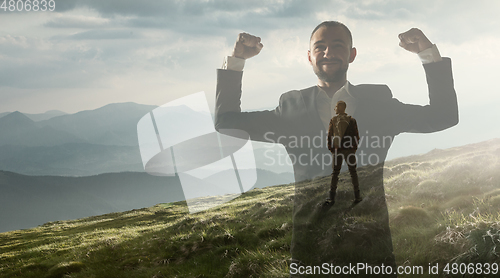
{"x": 343, "y": 138}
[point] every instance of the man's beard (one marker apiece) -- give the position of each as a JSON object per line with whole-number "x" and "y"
{"x": 336, "y": 76}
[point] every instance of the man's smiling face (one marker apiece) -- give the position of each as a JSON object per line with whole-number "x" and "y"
{"x": 330, "y": 53}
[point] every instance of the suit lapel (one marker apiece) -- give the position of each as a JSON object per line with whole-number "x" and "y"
{"x": 309, "y": 97}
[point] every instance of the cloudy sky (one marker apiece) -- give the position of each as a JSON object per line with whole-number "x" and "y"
{"x": 89, "y": 53}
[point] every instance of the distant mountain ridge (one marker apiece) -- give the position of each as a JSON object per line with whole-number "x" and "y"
{"x": 40, "y": 116}
{"x": 113, "y": 124}
{"x": 28, "y": 201}
{"x": 71, "y": 159}
{"x": 89, "y": 142}
{"x": 85, "y": 143}
{"x": 18, "y": 129}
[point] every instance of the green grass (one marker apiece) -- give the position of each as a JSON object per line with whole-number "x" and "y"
{"x": 443, "y": 208}
{"x": 238, "y": 239}
{"x": 445, "y": 205}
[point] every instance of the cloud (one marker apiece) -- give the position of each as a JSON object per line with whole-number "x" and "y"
{"x": 93, "y": 58}
{"x": 87, "y": 42}
{"x": 150, "y": 8}
{"x": 100, "y": 35}
{"x": 78, "y": 21}
{"x": 454, "y": 21}
{"x": 196, "y": 17}
{"x": 40, "y": 63}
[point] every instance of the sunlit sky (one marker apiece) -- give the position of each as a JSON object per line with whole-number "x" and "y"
{"x": 87, "y": 54}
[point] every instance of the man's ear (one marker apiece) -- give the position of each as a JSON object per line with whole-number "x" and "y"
{"x": 353, "y": 55}
{"x": 309, "y": 56}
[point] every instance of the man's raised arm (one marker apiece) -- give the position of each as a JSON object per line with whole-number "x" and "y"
{"x": 228, "y": 113}
{"x": 442, "y": 110}
{"x": 229, "y": 78}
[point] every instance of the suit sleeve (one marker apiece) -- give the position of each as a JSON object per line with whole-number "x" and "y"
{"x": 264, "y": 126}
{"x": 442, "y": 110}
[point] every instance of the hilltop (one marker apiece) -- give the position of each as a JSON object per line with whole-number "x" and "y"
{"x": 443, "y": 208}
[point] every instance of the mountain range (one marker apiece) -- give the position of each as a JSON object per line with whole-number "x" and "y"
{"x": 113, "y": 124}
{"x": 81, "y": 144}
{"x": 40, "y": 116}
{"x": 89, "y": 142}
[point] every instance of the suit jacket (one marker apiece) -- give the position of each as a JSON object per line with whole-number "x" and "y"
{"x": 380, "y": 117}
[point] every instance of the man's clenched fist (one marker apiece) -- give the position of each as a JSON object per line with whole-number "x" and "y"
{"x": 414, "y": 40}
{"x": 247, "y": 46}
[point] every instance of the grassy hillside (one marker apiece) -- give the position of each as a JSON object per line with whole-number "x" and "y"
{"x": 443, "y": 207}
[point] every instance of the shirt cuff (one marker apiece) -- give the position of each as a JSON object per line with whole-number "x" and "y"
{"x": 233, "y": 63}
{"x": 430, "y": 55}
